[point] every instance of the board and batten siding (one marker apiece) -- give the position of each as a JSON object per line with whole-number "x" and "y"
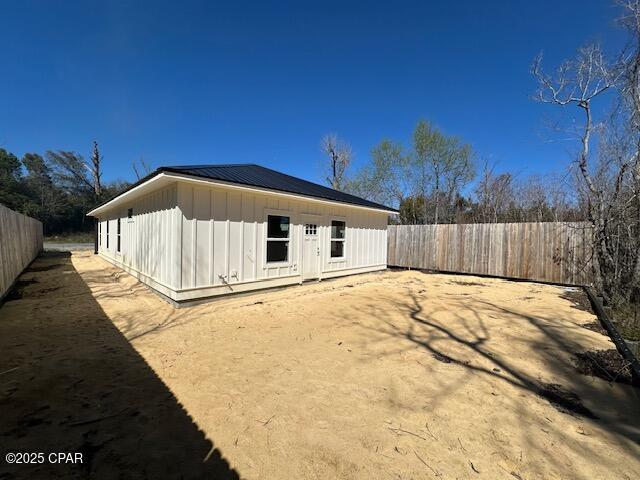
{"x": 20, "y": 243}
{"x": 190, "y": 241}
{"x": 150, "y": 245}
{"x": 224, "y": 237}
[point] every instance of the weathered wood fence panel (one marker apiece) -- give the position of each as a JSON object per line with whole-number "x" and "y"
{"x": 20, "y": 242}
{"x": 552, "y": 252}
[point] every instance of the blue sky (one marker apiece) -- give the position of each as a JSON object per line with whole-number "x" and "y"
{"x": 206, "y": 82}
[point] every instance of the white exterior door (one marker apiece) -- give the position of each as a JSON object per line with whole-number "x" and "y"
{"x": 310, "y": 251}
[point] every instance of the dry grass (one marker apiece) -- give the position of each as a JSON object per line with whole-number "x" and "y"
{"x": 627, "y": 321}
{"x": 392, "y": 375}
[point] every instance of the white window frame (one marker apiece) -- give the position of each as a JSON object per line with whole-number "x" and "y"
{"x": 265, "y": 239}
{"x": 343, "y": 240}
{"x": 119, "y": 223}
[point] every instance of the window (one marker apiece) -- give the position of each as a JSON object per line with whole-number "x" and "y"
{"x": 118, "y": 237}
{"x": 310, "y": 229}
{"x": 130, "y": 213}
{"x": 107, "y": 233}
{"x": 100, "y": 233}
{"x": 338, "y": 229}
{"x": 277, "y": 238}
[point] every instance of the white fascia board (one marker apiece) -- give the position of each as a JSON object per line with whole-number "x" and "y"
{"x": 139, "y": 190}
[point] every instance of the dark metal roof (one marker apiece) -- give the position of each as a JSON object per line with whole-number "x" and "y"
{"x": 258, "y": 176}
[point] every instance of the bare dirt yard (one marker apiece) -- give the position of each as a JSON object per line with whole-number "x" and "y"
{"x": 394, "y": 375}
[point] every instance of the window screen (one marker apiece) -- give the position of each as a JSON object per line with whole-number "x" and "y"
{"x": 277, "y": 238}
{"x": 277, "y": 251}
{"x": 118, "y": 237}
{"x": 337, "y": 248}
{"x": 338, "y": 234}
{"x": 337, "y": 229}
{"x": 278, "y": 226}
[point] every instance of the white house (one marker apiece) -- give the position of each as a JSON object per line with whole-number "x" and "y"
{"x": 194, "y": 232}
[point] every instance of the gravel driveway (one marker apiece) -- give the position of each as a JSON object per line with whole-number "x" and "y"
{"x": 67, "y": 247}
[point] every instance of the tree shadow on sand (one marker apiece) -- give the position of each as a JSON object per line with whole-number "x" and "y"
{"x": 465, "y": 343}
{"x": 71, "y": 382}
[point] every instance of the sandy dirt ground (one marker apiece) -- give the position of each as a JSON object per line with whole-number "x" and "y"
{"x": 399, "y": 375}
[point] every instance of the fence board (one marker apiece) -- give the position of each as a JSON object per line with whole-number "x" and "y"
{"x": 553, "y": 251}
{"x": 20, "y": 242}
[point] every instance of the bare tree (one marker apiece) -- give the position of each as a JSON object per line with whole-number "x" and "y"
{"x": 631, "y": 152}
{"x": 340, "y": 156}
{"x": 564, "y": 204}
{"x": 578, "y": 83}
{"x": 494, "y": 194}
{"x": 532, "y": 200}
{"x": 70, "y": 170}
{"x": 95, "y": 168}
{"x": 141, "y": 168}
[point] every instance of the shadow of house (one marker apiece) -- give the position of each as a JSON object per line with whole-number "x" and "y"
{"x": 71, "y": 382}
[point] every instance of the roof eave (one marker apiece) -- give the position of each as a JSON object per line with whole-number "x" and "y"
{"x": 142, "y": 184}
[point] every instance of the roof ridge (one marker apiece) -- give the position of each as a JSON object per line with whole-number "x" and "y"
{"x": 297, "y": 178}
{"x": 213, "y": 165}
{"x": 309, "y": 181}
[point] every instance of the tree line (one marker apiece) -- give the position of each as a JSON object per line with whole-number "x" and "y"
{"x": 58, "y": 188}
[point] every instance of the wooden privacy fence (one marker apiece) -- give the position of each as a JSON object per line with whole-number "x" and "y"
{"x": 20, "y": 242}
{"x": 555, "y": 252}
